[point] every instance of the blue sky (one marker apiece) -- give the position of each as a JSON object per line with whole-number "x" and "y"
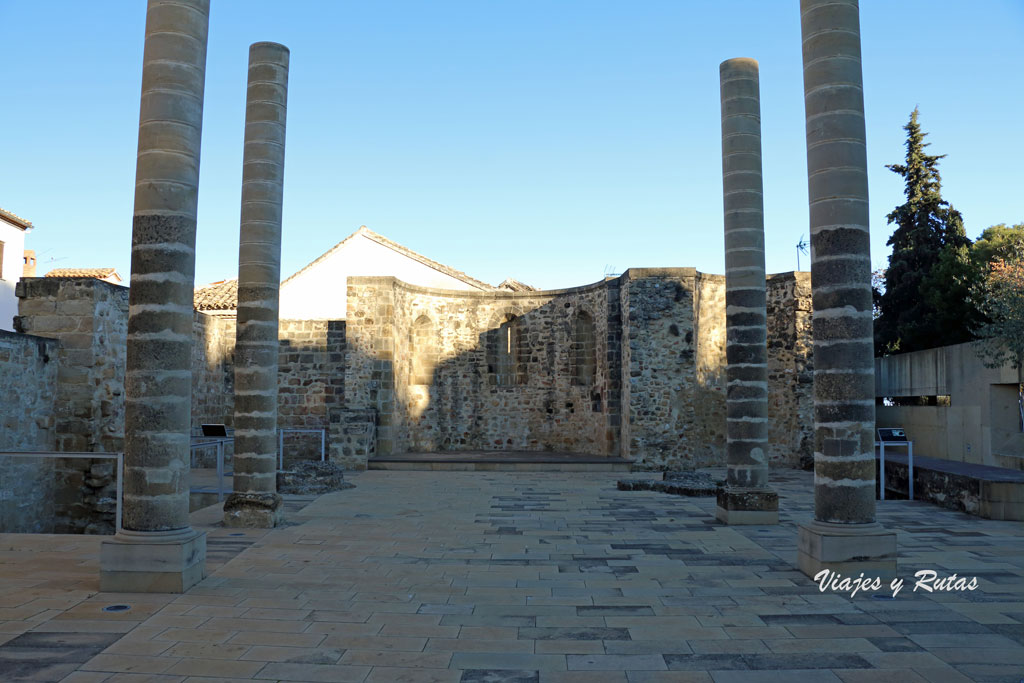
{"x": 546, "y": 141}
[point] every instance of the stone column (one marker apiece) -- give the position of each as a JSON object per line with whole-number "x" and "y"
{"x": 157, "y": 551}
{"x": 255, "y": 501}
{"x": 746, "y": 498}
{"x": 844, "y": 536}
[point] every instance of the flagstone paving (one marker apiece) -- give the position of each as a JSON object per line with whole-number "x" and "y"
{"x": 521, "y": 576}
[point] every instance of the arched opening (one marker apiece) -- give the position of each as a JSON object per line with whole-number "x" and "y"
{"x": 583, "y": 350}
{"x": 505, "y": 358}
{"x": 423, "y": 348}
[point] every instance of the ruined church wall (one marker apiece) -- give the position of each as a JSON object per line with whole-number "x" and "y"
{"x": 213, "y": 345}
{"x": 790, "y": 370}
{"x": 674, "y": 368}
{"x": 28, "y": 383}
{"x": 311, "y": 380}
{"x": 659, "y": 367}
{"x": 425, "y": 359}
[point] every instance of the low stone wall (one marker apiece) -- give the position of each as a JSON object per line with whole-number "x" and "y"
{"x": 28, "y": 383}
{"x": 989, "y": 492}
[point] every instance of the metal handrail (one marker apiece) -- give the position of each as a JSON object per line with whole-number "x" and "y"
{"x": 219, "y": 442}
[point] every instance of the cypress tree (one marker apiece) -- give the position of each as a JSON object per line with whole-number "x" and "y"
{"x": 926, "y": 302}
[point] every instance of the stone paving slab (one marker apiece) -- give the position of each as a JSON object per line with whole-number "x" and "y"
{"x": 495, "y": 576}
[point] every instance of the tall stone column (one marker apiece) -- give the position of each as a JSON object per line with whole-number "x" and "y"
{"x": 844, "y": 536}
{"x": 157, "y": 551}
{"x": 255, "y": 501}
{"x": 746, "y": 498}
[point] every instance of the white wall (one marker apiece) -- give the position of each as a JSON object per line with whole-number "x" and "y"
{"x": 14, "y": 254}
{"x": 320, "y": 292}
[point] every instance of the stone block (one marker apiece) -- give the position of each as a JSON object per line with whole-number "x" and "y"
{"x": 253, "y": 510}
{"x": 846, "y": 548}
{"x": 747, "y": 506}
{"x": 153, "y": 562}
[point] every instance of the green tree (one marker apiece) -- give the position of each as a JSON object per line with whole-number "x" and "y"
{"x": 926, "y": 300}
{"x": 1000, "y": 297}
{"x": 998, "y": 241}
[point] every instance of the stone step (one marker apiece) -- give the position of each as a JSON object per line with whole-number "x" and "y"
{"x": 499, "y": 462}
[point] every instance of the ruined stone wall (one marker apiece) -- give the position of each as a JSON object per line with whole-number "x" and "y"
{"x": 28, "y": 383}
{"x": 90, "y": 320}
{"x": 710, "y": 387}
{"x": 311, "y": 381}
{"x": 503, "y": 371}
{"x": 213, "y": 344}
{"x": 660, "y": 366}
{"x": 432, "y": 365}
{"x": 790, "y": 370}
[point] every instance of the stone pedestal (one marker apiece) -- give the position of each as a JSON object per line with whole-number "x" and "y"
{"x": 253, "y": 510}
{"x": 848, "y": 549}
{"x": 153, "y": 561}
{"x": 747, "y": 506}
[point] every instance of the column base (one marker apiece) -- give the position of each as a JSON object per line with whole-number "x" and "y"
{"x": 152, "y": 561}
{"x": 253, "y": 510}
{"x": 747, "y": 506}
{"x": 848, "y": 549}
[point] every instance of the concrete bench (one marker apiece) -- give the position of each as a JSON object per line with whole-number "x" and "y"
{"x": 990, "y": 492}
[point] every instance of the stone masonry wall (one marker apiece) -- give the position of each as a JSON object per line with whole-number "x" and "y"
{"x": 90, "y": 319}
{"x": 311, "y": 381}
{"x": 790, "y": 370}
{"x": 710, "y": 388}
{"x": 429, "y": 361}
{"x": 660, "y": 367}
{"x": 28, "y": 383}
{"x": 449, "y": 371}
{"x": 311, "y": 377}
{"x": 213, "y": 343}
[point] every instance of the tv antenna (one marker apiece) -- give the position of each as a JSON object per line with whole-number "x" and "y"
{"x": 801, "y": 248}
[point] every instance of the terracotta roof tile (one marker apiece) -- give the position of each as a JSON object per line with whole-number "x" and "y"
{"x": 516, "y": 286}
{"x": 16, "y": 219}
{"x": 98, "y": 273}
{"x": 217, "y": 296}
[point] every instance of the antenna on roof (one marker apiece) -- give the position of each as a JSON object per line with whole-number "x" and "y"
{"x": 801, "y": 248}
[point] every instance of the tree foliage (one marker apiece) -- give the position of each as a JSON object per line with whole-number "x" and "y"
{"x": 926, "y": 298}
{"x": 1000, "y": 296}
{"x": 997, "y": 242}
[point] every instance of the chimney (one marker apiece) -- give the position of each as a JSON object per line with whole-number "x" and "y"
{"x": 29, "y": 268}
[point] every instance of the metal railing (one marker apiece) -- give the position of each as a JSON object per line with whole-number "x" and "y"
{"x": 118, "y": 470}
{"x": 219, "y": 442}
{"x": 881, "y": 468}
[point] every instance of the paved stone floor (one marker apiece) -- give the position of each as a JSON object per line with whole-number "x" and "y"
{"x": 549, "y": 577}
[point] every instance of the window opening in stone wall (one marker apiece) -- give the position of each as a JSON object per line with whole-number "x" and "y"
{"x": 505, "y": 358}
{"x": 583, "y": 350}
{"x": 424, "y": 351}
